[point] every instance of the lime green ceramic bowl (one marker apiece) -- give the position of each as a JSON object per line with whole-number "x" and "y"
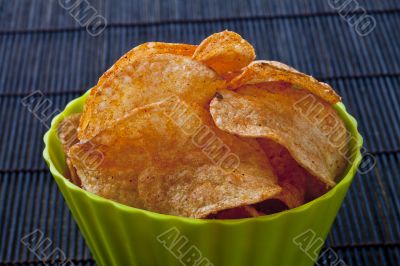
{"x": 121, "y": 235}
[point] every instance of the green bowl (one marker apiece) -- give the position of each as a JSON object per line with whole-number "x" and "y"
{"x": 120, "y": 235}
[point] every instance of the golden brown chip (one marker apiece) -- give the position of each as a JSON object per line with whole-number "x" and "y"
{"x": 67, "y": 131}
{"x": 298, "y": 186}
{"x": 271, "y": 71}
{"x": 316, "y": 139}
{"x": 170, "y": 158}
{"x": 145, "y": 80}
{"x": 291, "y": 176}
{"x": 71, "y": 174}
{"x": 293, "y": 192}
{"x": 231, "y": 75}
{"x": 67, "y": 134}
{"x": 198, "y": 192}
{"x": 225, "y": 52}
{"x": 145, "y": 49}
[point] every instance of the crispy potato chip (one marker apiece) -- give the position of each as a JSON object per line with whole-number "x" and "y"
{"x": 270, "y": 71}
{"x": 139, "y": 51}
{"x": 146, "y": 80}
{"x": 231, "y": 75}
{"x": 169, "y": 157}
{"x": 67, "y": 134}
{"x": 298, "y": 186}
{"x": 67, "y": 131}
{"x": 145, "y": 49}
{"x": 198, "y": 192}
{"x": 225, "y": 52}
{"x": 293, "y": 192}
{"x": 291, "y": 176}
{"x": 71, "y": 173}
{"x": 316, "y": 139}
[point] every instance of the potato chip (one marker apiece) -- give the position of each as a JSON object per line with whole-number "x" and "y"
{"x": 169, "y": 157}
{"x": 71, "y": 174}
{"x": 291, "y": 177}
{"x": 317, "y": 140}
{"x": 67, "y": 134}
{"x": 146, "y": 80}
{"x": 201, "y": 191}
{"x": 298, "y": 186}
{"x": 231, "y": 75}
{"x": 145, "y": 49}
{"x": 225, "y": 52}
{"x": 139, "y": 51}
{"x": 67, "y": 131}
{"x": 270, "y": 71}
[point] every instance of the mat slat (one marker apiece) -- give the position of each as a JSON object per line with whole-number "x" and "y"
{"x": 21, "y": 136}
{"x": 371, "y": 211}
{"x": 36, "y": 204}
{"x": 26, "y": 14}
{"x": 325, "y": 47}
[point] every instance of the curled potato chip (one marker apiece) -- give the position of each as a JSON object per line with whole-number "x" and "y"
{"x": 200, "y": 191}
{"x": 298, "y": 186}
{"x": 313, "y": 133}
{"x": 270, "y": 71}
{"x": 67, "y": 131}
{"x": 145, "y": 49}
{"x": 291, "y": 177}
{"x": 71, "y": 174}
{"x": 169, "y": 157}
{"x": 225, "y": 52}
{"x": 293, "y": 192}
{"x": 146, "y": 80}
{"x": 67, "y": 134}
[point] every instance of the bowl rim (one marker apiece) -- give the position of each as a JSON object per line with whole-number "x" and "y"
{"x": 351, "y": 125}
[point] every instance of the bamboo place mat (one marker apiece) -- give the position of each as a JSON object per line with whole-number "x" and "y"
{"x": 43, "y": 48}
